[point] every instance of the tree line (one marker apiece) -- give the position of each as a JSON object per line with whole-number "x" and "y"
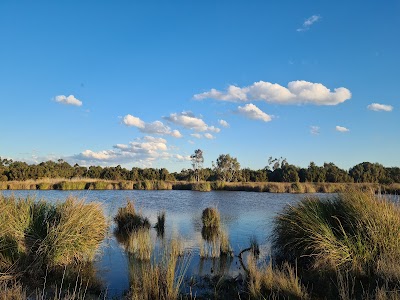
{"x": 225, "y": 168}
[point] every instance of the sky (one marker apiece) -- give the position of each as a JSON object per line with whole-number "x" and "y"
{"x": 146, "y": 83}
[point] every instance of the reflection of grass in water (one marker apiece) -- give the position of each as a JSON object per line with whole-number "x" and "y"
{"x": 215, "y": 243}
{"x": 160, "y": 225}
{"x": 139, "y": 244}
{"x": 158, "y": 279}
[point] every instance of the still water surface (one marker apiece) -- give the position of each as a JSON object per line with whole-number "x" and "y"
{"x": 244, "y": 215}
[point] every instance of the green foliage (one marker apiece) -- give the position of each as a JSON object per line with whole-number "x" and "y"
{"x": 227, "y": 168}
{"x": 71, "y": 185}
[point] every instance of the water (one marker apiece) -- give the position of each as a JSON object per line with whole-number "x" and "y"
{"x": 244, "y": 215}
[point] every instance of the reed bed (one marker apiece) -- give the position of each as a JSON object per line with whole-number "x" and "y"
{"x": 201, "y": 186}
{"x": 353, "y": 233}
{"x": 160, "y": 225}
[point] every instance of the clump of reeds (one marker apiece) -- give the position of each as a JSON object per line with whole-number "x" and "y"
{"x": 274, "y": 283}
{"x": 254, "y": 247}
{"x": 201, "y": 186}
{"x": 44, "y": 234}
{"x": 128, "y": 220}
{"x": 353, "y": 232}
{"x": 160, "y": 225}
{"x": 75, "y": 234}
{"x": 12, "y": 290}
{"x": 211, "y": 217}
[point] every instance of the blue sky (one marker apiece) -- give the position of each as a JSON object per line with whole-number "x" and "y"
{"x": 145, "y": 83}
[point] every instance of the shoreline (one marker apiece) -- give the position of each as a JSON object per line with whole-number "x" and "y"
{"x": 205, "y": 186}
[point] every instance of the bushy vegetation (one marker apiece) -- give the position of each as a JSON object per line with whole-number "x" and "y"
{"x": 226, "y": 169}
{"x": 353, "y": 235}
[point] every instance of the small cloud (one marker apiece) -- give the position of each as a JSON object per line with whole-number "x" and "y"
{"x": 156, "y": 127}
{"x": 223, "y": 123}
{"x": 307, "y": 23}
{"x": 191, "y": 142}
{"x": 253, "y": 112}
{"x": 189, "y": 121}
{"x": 196, "y": 135}
{"x": 183, "y": 157}
{"x": 380, "y": 107}
{"x": 314, "y": 130}
{"x": 342, "y": 129}
{"x": 209, "y": 136}
{"x": 68, "y": 100}
{"x": 296, "y": 92}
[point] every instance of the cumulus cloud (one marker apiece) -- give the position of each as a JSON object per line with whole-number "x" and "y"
{"x": 314, "y": 130}
{"x": 182, "y": 157}
{"x": 156, "y": 127}
{"x": 253, "y": 112}
{"x": 141, "y": 151}
{"x": 380, "y": 107}
{"x": 342, "y": 129}
{"x": 68, "y": 100}
{"x": 297, "y": 92}
{"x": 223, "y": 123}
{"x": 196, "y": 135}
{"x": 308, "y": 22}
{"x": 189, "y": 121}
{"x": 209, "y": 136}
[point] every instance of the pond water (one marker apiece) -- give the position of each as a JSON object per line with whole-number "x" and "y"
{"x": 244, "y": 215}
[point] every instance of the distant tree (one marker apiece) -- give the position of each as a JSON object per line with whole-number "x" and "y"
{"x": 197, "y": 163}
{"x": 368, "y": 172}
{"x": 227, "y": 168}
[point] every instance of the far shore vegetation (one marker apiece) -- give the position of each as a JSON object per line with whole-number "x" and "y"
{"x": 277, "y": 177}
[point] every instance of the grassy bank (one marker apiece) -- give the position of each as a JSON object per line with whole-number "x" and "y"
{"x": 268, "y": 187}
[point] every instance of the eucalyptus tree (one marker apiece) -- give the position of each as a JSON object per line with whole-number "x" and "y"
{"x": 197, "y": 163}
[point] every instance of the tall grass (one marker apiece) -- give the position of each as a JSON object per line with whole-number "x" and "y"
{"x": 43, "y": 234}
{"x": 201, "y": 186}
{"x": 274, "y": 283}
{"x": 139, "y": 244}
{"x": 211, "y": 217}
{"x": 354, "y": 233}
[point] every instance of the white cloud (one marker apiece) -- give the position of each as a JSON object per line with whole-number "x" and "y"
{"x": 191, "y": 142}
{"x": 253, "y": 112}
{"x": 314, "y": 130}
{"x": 69, "y": 100}
{"x": 297, "y": 92}
{"x": 342, "y": 129}
{"x": 307, "y": 23}
{"x": 190, "y": 121}
{"x": 156, "y": 127}
{"x": 380, "y": 107}
{"x": 182, "y": 157}
{"x": 196, "y": 135}
{"x": 223, "y": 123}
{"x": 209, "y": 136}
{"x": 130, "y": 120}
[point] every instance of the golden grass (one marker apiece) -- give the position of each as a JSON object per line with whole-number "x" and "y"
{"x": 211, "y": 217}
{"x": 274, "y": 283}
{"x": 139, "y": 244}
